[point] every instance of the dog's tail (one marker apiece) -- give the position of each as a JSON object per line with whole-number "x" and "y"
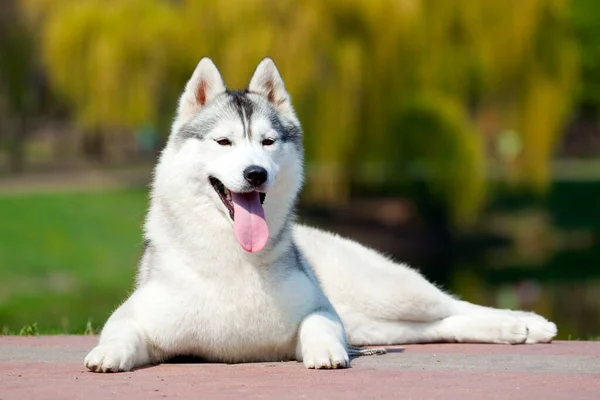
{"x": 365, "y": 351}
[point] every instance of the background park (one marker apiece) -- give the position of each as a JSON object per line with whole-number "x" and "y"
{"x": 462, "y": 137}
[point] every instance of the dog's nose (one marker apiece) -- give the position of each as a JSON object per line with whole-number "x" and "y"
{"x": 255, "y": 175}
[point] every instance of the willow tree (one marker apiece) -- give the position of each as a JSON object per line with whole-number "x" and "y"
{"x": 410, "y": 88}
{"x": 17, "y": 97}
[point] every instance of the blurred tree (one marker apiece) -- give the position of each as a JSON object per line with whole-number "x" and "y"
{"x": 410, "y": 85}
{"x": 584, "y": 16}
{"x": 16, "y": 96}
{"x": 108, "y": 58}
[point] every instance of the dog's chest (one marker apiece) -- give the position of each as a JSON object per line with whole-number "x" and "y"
{"x": 246, "y": 313}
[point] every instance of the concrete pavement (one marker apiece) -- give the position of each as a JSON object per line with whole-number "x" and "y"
{"x": 51, "y": 367}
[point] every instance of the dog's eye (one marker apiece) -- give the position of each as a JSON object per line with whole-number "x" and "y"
{"x": 224, "y": 142}
{"x": 267, "y": 142}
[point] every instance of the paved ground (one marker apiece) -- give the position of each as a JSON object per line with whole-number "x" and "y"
{"x": 51, "y": 367}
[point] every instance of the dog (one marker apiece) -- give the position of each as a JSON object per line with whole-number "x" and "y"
{"x": 226, "y": 275}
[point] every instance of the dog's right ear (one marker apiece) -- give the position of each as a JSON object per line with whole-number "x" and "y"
{"x": 267, "y": 82}
{"x": 204, "y": 85}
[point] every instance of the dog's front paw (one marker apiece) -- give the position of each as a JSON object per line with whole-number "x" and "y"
{"x": 325, "y": 354}
{"x": 110, "y": 358}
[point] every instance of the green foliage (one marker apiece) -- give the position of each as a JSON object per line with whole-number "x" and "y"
{"x": 89, "y": 328}
{"x": 436, "y": 142}
{"x": 29, "y": 330}
{"x": 356, "y": 69}
{"x": 17, "y": 97}
{"x": 102, "y": 56}
{"x": 15, "y": 60}
{"x": 584, "y": 16}
{"x": 33, "y": 330}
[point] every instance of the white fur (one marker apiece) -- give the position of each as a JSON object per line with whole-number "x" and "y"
{"x": 198, "y": 293}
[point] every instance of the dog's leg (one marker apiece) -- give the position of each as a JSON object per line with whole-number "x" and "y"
{"x": 122, "y": 346}
{"x": 123, "y": 342}
{"x": 321, "y": 341}
{"x": 457, "y": 328}
{"x": 540, "y": 329}
{"x": 360, "y": 281}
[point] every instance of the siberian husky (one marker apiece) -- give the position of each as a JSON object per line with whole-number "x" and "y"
{"x": 228, "y": 276}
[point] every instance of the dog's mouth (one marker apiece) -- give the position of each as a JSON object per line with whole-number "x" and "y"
{"x": 246, "y": 211}
{"x": 225, "y": 196}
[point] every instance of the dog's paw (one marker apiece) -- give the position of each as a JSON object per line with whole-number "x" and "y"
{"x": 540, "y": 329}
{"x": 511, "y": 331}
{"x": 110, "y": 358}
{"x": 541, "y": 332}
{"x": 325, "y": 354}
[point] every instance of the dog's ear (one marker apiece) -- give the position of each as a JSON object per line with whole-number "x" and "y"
{"x": 267, "y": 82}
{"x": 204, "y": 85}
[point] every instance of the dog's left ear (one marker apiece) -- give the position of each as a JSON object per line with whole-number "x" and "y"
{"x": 267, "y": 82}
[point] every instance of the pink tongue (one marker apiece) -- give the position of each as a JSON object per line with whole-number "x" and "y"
{"x": 249, "y": 225}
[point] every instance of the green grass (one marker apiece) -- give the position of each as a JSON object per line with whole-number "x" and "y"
{"x": 591, "y": 338}
{"x": 67, "y": 259}
{"x": 33, "y": 330}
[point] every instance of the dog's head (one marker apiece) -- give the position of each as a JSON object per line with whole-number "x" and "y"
{"x": 241, "y": 149}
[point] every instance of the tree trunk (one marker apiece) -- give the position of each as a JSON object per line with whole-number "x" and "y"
{"x": 94, "y": 145}
{"x": 16, "y": 144}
